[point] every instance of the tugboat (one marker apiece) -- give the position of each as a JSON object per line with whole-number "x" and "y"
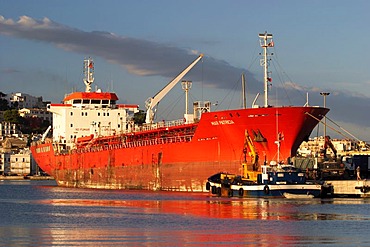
{"x": 274, "y": 180}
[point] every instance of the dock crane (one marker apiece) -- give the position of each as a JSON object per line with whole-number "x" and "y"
{"x": 151, "y": 102}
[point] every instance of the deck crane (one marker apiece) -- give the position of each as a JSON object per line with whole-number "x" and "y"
{"x": 151, "y": 102}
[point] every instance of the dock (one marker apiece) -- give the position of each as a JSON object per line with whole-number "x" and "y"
{"x": 350, "y": 188}
{"x": 26, "y": 178}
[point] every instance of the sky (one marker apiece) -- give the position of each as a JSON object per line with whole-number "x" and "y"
{"x": 139, "y": 46}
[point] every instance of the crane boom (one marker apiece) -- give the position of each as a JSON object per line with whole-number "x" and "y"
{"x": 153, "y": 101}
{"x": 45, "y": 133}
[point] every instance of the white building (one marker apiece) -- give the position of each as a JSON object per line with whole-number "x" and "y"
{"x": 24, "y": 100}
{"x": 4, "y": 163}
{"x": 314, "y": 146}
{"x": 8, "y": 129}
{"x": 20, "y": 163}
{"x": 36, "y": 112}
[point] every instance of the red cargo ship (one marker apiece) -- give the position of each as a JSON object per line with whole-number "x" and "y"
{"x": 97, "y": 144}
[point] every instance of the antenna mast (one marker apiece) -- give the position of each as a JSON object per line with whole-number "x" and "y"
{"x": 266, "y": 41}
{"x": 88, "y": 73}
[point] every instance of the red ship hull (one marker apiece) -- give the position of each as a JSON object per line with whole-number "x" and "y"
{"x": 180, "y": 158}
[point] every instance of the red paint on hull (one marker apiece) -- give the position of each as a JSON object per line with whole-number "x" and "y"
{"x": 152, "y": 160}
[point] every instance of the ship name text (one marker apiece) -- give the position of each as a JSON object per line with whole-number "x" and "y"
{"x": 43, "y": 149}
{"x": 82, "y": 129}
{"x": 222, "y": 122}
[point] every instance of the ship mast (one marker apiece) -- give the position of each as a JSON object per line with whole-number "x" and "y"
{"x": 266, "y": 41}
{"x": 243, "y": 92}
{"x": 88, "y": 73}
{"x": 186, "y": 86}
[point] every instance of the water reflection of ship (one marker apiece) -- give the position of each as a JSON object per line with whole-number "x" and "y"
{"x": 226, "y": 209}
{"x": 190, "y": 219}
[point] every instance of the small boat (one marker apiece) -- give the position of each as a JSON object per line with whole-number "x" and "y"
{"x": 273, "y": 181}
{"x": 297, "y": 196}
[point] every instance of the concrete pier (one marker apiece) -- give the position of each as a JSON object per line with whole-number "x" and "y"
{"x": 350, "y": 188}
{"x": 26, "y": 178}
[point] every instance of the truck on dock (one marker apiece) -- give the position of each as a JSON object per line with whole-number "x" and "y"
{"x": 328, "y": 161}
{"x": 343, "y": 167}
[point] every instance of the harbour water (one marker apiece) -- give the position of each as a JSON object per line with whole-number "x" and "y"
{"x": 38, "y": 213}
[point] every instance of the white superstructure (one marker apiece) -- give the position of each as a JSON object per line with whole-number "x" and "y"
{"x": 89, "y": 113}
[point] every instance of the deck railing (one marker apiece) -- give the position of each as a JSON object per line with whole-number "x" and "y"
{"x": 162, "y": 124}
{"x": 130, "y": 144}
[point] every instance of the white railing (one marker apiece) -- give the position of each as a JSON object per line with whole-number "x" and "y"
{"x": 163, "y": 124}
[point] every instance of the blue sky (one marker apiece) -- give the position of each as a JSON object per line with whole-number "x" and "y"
{"x": 139, "y": 46}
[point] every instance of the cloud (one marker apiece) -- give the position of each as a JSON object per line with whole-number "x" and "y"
{"x": 137, "y": 56}
{"x": 10, "y": 71}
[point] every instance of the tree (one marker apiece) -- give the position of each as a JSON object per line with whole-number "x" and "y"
{"x": 3, "y": 102}
{"x": 15, "y": 105}
{"x": 12, "y": 116}
{"x": 4, "y": 105}
{"x": 34, "y": 125}
{"x": 139, "y": 117}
